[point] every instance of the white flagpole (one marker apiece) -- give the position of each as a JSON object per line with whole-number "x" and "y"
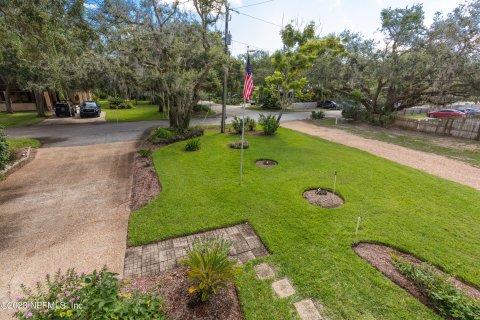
{"x": 243, "y": 139}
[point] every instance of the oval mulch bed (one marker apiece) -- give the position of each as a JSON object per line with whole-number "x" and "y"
{"x": 379, "y": 256}
{"x": 323, "y": 198}
{"x": 266, "y": 163}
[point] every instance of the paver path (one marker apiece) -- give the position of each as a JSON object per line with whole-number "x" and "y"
{"x": 150, "y": 259}
{"x": 66, "y": 208}
{"x": 434, "y": 164}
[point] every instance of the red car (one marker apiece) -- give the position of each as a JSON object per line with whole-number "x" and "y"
{"x": 446, "y": 113}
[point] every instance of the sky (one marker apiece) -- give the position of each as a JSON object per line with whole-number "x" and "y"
{"x": 330, "y": 15}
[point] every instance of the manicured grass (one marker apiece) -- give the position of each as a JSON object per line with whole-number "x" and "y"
{"x": 16, "y": 143}
{"x": 415, "y": 116}
{"x": 143, "y": 111}
{"x": 435, "y": 219}
{"x": 422, "y": 142}
{"x": 19, "y": 119}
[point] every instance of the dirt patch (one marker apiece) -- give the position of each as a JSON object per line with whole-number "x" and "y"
{"x": 146, "y": 186}
{"x": 173, "y": 286}
{"x": 323, "y": 198}
{"x": 379, "y": 256}
{"x": 266, "y": 163}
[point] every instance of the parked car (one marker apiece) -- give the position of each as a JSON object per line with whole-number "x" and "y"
{"x": 90, "y": 108}
{"x": 327, "y": 104}
{"x": 65, "y": 108}
{"x": 446, "y": 113}
{"x": 470, "y": 112}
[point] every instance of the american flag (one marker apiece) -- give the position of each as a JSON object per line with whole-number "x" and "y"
{"x": 248, "y": 87}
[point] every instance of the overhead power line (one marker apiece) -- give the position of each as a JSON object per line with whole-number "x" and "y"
{"x": 251, "y": 5}
{"x": 259, "y": 19}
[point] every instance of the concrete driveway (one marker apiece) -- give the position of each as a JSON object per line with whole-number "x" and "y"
{"x": 66, "y": 208}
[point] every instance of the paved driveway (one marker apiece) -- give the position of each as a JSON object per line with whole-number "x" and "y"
{"x": 68, "y": 207}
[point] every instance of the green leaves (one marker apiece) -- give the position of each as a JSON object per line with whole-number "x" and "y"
{"x": 210, "y": 269}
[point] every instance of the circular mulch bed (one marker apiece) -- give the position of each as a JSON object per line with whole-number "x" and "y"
{"x": 323, "y": 198}
{"x": 266, "y": 163}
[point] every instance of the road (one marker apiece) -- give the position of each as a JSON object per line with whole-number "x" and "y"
{"x": 98, "y": 133}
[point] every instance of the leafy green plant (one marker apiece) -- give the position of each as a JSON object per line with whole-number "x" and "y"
{"x": 353, "y": 112}
{"x": 237, "y": 124}
{"x": 170, "y": 135}
{"x": 269, "y": 123}
{"x": 145, "y": 153}
{"x": 86, "y": 296}
{"x": 449, "y": 301}
{"x": 201, "y": 108}
{"x": 193, "y": 145}
{"x": 209, "y": 268}
{"x": 316, "y": 115}
{"x": 118, "y": 103}
{"x": 4, "y": 149}
{"x": 250, "y": 124}
{"x": 237, "y": 144}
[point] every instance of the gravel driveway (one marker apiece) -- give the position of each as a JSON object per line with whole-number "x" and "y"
{"x": 66, "y": 208}
{"x": 431, "y": 163}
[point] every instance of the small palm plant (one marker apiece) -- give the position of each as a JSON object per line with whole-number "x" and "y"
{"x": 209, "y": 268}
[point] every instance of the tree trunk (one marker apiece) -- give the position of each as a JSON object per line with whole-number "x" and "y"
{"x": 39, "y": 103}
{"x": 8, "y": 99}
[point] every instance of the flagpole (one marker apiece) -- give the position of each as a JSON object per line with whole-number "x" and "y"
{"x": 243, "y": 133}
{"x": 243, "y": 139}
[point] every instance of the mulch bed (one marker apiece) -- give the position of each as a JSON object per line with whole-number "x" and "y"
{"x": 324, "y": 198}
{"x": 249, "y": 133}
{"x": 266, "y": 163}
{"x": 146, "y": 186}
{"x": 379, "y": 256}
{"x": 173, "y": 286}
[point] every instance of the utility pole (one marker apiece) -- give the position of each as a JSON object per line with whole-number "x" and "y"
{"x": 225, "y": 69}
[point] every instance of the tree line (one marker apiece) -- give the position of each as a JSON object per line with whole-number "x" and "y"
{"x": 175, "y": 56}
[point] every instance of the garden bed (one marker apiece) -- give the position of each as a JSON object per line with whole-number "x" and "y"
{"x": 380, "y": 257}
{"x": 266, "y": 163}
{"x": 173, "y": 286}
{"x": 145, "y": 184}
{"x": 323, "y": 198}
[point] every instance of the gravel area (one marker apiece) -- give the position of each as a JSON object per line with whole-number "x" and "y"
{"x": 433, "y": 164}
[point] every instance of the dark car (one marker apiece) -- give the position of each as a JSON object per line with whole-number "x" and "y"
{"x": 327, "y": 104}
{"x": 446, "y": 113}
{"x": 90, "y": 109}
{"x": 470, "y": 112}
{"x": 65, "y": 108}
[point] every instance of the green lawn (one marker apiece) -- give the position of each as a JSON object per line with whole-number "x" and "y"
{"x": 143, "y": 111}
{"x": 466, "y": 152}
{"x": 430, "y": 217}
{"x": 19, "y": 119}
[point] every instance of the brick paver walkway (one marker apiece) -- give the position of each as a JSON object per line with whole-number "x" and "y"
{"x": 150, "y": 259}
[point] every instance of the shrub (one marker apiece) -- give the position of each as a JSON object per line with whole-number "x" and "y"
{"x": 201, "y": 108}
{"x": 352, "y": 112}
{"x": 267, "y": 98}
{"x": 4, "y": 149}
{"x": 449, "y": 301}
{"x": 170, "y": 135}
{"x": 237, "y": 124}
{"x": 250, "y": 124}
{"x": 80, "y": 296}
{"x": 117, "y": 103}
{"x": 382, "y": 120}
{"x": 237, "y": 144}
{"x": 209, "y": 268}
{"x": 316, "y": 115}
{"x": 192, "y": 145}
{"x": 269, "y": 123}
{"x": 145, "y": 153}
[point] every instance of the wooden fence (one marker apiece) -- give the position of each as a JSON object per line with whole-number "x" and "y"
{"x": 468, "y": 128}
